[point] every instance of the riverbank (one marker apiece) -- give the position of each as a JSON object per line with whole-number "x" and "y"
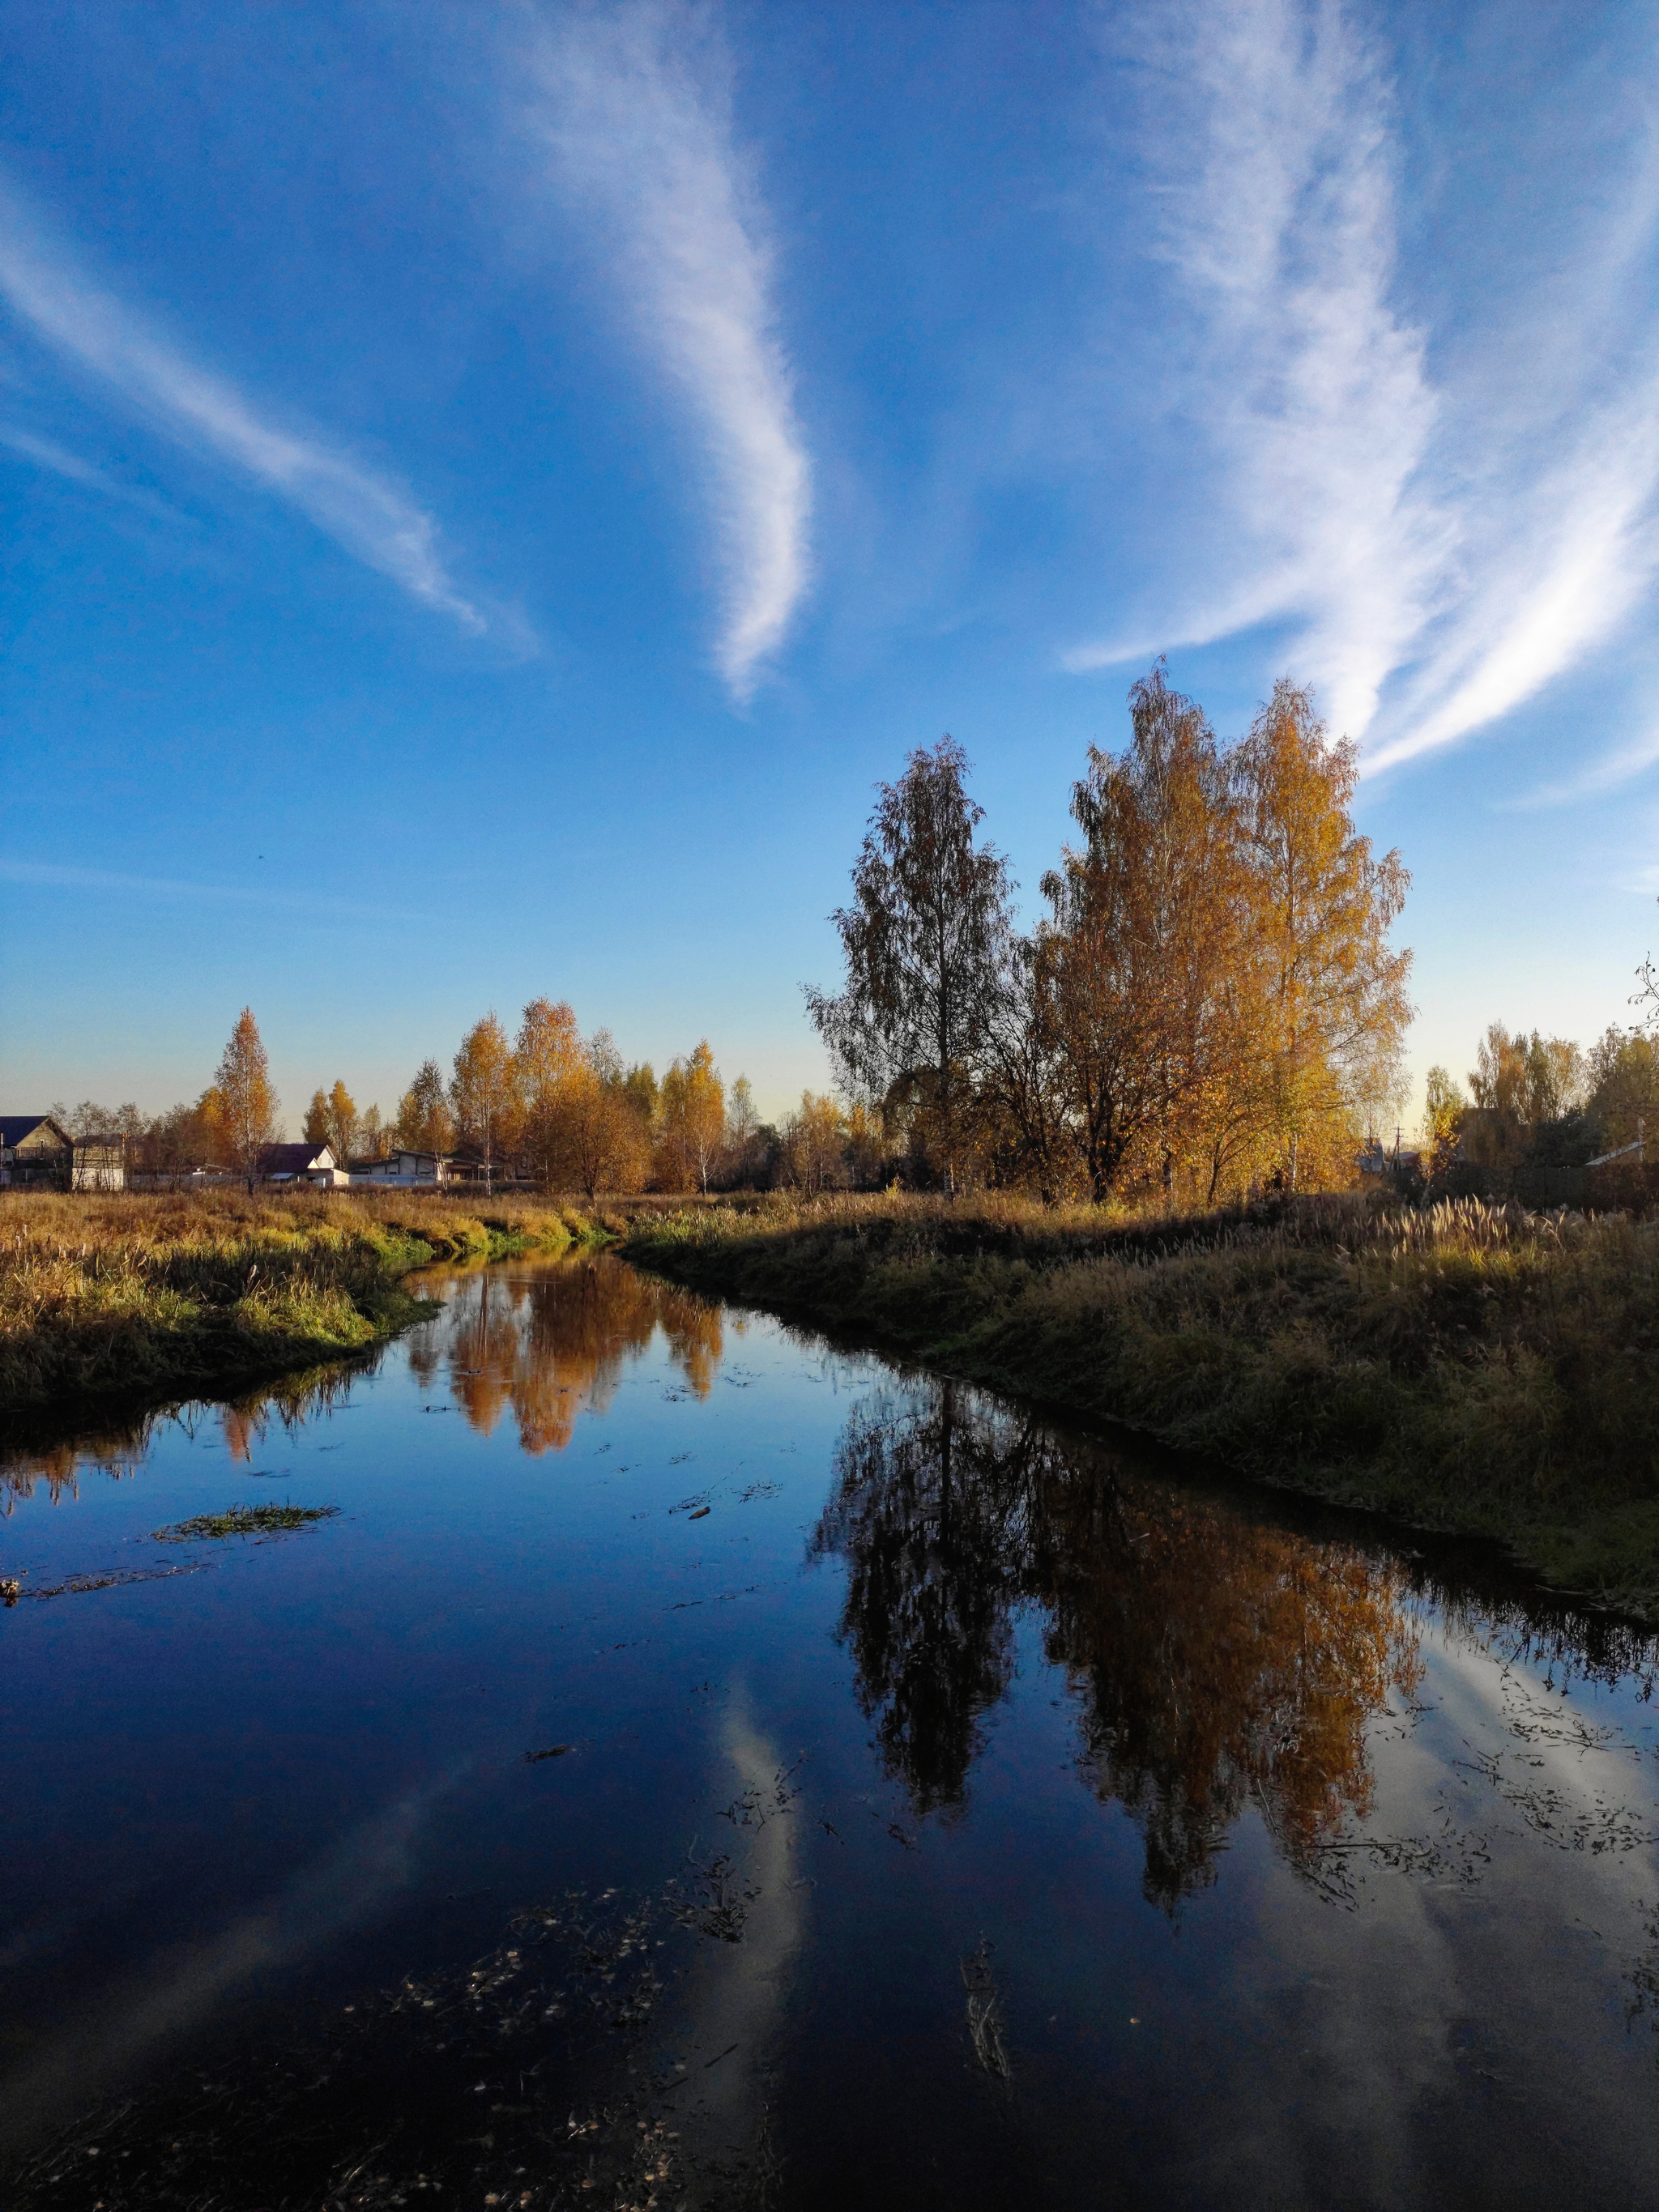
{"x": 203, "y": 1294}
{"x": 1471, "y": 1369}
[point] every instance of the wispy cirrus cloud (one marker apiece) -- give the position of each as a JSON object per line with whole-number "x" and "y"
{"x": 1622, "y": 765}
{"x": 114, "y": 884}
{"x": 47, "y": 453}
{"x": 1444, "y": 548}
{"x": 1561, "y": 561}
{"x": 372, "y": 518}
{"x": 1273, "y": 185}
{"x": 632, "y": 109}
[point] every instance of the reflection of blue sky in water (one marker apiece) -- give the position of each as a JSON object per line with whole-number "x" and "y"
{"x": 353, "y": 1882}
{"x": 1261, "y": 1911}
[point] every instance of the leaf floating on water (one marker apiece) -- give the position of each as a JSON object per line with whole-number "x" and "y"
{"x": 703, "y": 1513}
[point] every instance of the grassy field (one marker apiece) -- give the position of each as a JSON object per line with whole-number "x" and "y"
{"x": 150, "y": 1295}
{"x": 1469, "y": 1369}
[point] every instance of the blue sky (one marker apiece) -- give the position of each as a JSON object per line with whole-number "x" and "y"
{"x": 487, "y": 491}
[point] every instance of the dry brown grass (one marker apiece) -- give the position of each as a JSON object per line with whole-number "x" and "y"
{"x": 148, "y": 1292}
{"x": 1467, "y": 1366}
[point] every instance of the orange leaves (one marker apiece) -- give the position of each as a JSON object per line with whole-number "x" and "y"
{"x": 247, "y": 1102}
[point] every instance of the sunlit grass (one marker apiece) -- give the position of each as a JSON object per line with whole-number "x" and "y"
{"x": 148, "y": 1292}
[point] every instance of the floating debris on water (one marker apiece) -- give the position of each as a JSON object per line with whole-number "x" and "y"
{"x": 984, "y": 2027}
{"x": 109, "y": 1578}
{"x": 243, "y": 1521}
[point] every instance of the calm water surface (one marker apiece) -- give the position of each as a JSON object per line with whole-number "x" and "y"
{"x": 718, "y": 1769}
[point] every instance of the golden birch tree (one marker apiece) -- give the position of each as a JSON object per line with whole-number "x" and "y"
{"x": 545, "y": 1057}
{"x": 248, "y": 1102}
{"x": 1323, "y": 906}
{"x": 1144, "y": 941}
{"x": 342, "y": 1122}
{"x": 483, "y": 1092}
{"x": 692, "y": 1108}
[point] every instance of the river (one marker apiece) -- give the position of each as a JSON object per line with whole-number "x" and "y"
{"x": 693, "y": 1764}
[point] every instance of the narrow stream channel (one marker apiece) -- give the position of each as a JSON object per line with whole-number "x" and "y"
{"x": 694, "y": 1765}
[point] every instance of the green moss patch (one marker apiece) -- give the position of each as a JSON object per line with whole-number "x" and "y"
{"x": 243, "y": 1521}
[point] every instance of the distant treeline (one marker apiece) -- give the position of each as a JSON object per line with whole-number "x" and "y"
{"x": 546, "y": 1107}
{"x": 1537, "y": 1110}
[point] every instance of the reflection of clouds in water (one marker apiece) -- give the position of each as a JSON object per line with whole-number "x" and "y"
{"x": 735, "y": 2004}
{"x": 1475, "y": 1989}
{"x": 351, "y": 1884}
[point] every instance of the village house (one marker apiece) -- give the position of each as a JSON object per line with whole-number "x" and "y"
{"x": 35, "y": 1153}
{"x": 309, "y": 1163}
{"x": 404, "y": 1169}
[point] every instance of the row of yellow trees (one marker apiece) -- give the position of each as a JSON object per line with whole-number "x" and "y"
{"x": 550, "y": 1106}
{"x": 546, "y": 1105}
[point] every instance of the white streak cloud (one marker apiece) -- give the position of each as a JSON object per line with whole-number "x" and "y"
{"x": 632, "y": 109}
{"x": 373, "y": 520}
{"x": 47, "y": 453}
{"x": 1443, "y": 551}
{"x": 53, "y": 876}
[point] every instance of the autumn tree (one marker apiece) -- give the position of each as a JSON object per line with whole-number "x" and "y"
{"x": 424, "y": 1122}
{"x": 545, "y": 1057}
{"x": 483, "y": 1092}
{"x": 608, "y": 1143}
{"x": 1622, "y": 1073}
{"x": 211, "y": 1128}
{"x": 343, "y": 1122}
{"x": 1525, "y": 1077}
{"x": 812, "y": 1154}
{"x": 692, "y": 1118}
{"x": 315, "y": 1128}
{"x": 1321, "y": 907}
{"x": 924, "y": 941}
{"x": 671, "y": 1162}
{"x": 1141, "y": 980}
{"x": 185, "y": 1138}
{"x": 89, "y": 1119}
{"x": 247, "y": 1102}
{"x": 640, "y": 1087}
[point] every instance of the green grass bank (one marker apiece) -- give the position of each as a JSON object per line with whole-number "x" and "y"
{"x": 1466, "y": 1368}
{"x": 162, "y": 1295}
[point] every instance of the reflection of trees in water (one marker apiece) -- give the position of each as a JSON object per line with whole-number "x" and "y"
{"x": 552, "y": 1344}
{"x": 57, "y": 1469}
{"x": 118, "y": 1448}
{"x": 1216, "y": 1660}
{"x": 549, "y": 1343}
{"x": 929, "y": 1512}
